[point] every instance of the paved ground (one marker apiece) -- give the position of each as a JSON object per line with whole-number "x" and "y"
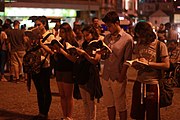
{"x": 16, "y": 103}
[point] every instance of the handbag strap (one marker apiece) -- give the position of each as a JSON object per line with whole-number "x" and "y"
{"x": 38, "y": 46}
{"x": 45, "y": 38}
{"x": 158, "y": 57}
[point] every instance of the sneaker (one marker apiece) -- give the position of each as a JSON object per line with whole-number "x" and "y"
{"x": 68, "y": 118}
{"x": 4, "y": 79}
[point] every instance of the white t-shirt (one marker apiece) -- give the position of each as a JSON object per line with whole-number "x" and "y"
{"x": 47, "y": 41}
{"x": 149, "y": 53}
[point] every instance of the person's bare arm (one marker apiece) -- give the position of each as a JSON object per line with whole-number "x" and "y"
{"x": 165, "y": 64}
{"x": 93, "y": 60}
{"x": 68, "y": 56}
{"x": 46, "y": 48}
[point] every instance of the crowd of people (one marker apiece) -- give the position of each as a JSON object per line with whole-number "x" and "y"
{"x": 78, "y": 74}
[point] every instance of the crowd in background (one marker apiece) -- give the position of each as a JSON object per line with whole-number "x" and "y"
{"x": 139, "y": 41}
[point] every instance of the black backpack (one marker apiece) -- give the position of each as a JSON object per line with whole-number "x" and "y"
{"x": 32, "y": 59}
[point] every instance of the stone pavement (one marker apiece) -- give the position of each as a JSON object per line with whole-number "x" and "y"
{"x": 16, "y": 103}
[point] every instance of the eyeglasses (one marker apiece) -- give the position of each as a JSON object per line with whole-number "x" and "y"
{"x": 37, "y": 24}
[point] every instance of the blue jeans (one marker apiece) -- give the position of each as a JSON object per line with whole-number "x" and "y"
{"x": 3, "y": 57}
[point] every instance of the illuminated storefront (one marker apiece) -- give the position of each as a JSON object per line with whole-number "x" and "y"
{"x": 23, "y": 14}
{"x": 67, "y": 10}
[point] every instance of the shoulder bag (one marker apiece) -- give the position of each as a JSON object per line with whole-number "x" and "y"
{"x": 32, "y": 63}
{"x": 166, "y": 91}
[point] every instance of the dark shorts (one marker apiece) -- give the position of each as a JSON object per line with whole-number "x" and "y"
{"x": 66, "y": 77}
{"x": 148, "y": 104}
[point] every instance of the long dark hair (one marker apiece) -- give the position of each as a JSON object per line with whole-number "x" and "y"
{"x": 92, "y": 30}
{"x": 143, "y": 30}
{"x": 44, "y": 21}
{"x": 70, "y": 35}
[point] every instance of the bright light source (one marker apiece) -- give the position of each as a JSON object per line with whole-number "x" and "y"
{"x": 178, "y": 29}
{"x": 15, "y": 11}
{"x": 121, "y": 18}
{"x": 135, "y": 42}
{"x": 10, "y": 0}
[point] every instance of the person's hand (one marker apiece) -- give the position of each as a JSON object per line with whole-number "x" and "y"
{"x": 143, "y": 60}
{"x": 122, "y": 78}
{"x": 52, "y": 52}
{"x": 101, "y": 51}
{"x": 55, "y": 47}
{"x": 80, "y": 51}
{"x": 60, "y": 50}
{"x": 139, "y": 66}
